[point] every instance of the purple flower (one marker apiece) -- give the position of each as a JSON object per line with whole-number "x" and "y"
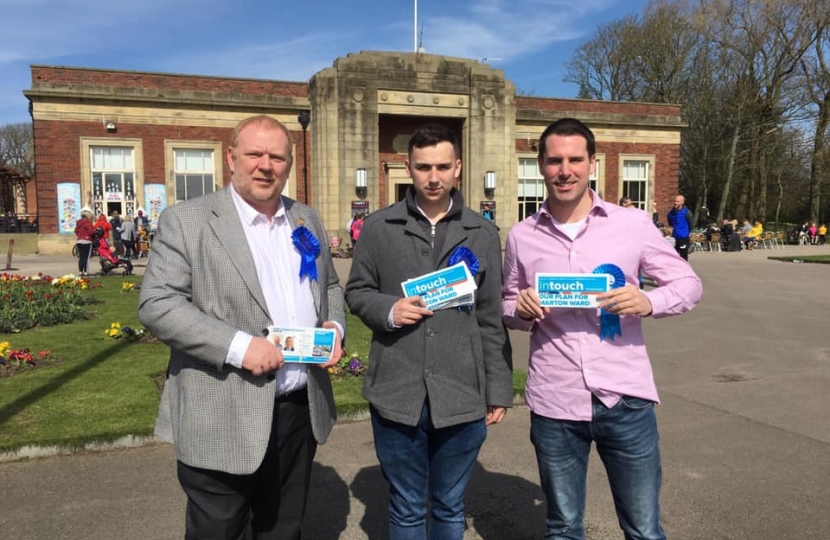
{"x": 355, "y": 366}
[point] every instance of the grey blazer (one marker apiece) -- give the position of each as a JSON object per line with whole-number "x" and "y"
{"x": 199, "y": 288}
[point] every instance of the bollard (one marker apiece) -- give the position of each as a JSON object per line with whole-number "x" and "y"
{"x": 9, "y": 256}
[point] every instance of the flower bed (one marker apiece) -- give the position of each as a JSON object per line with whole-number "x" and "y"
{"x": 16, "y": 360}
{"x": 349, "y": 366}
{"x": 29, "y": 301}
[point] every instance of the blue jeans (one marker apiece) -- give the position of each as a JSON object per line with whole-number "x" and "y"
{"x": 421, "y": 459}
{"x": 628, "y": 443}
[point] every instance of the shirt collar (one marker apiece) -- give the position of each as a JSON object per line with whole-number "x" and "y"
{"x": 248, "y": 214}
{"x": 598, "y": 207}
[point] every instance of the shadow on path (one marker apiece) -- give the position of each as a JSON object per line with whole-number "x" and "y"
{"x": 499, "y": 506}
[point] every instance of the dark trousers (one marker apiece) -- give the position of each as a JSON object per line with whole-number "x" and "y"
{"x": 129, "y": 248}
{"x": 266, "y": 505}
{"x": 681, "y": 245}
{"x": 83, "y": 257}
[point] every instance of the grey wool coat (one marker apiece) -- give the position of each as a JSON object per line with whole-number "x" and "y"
{"x": 460, "y": 360}
{"x": 200, "y": 287}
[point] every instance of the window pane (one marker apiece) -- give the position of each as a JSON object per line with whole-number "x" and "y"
{"x": 194, "y": 185}
{"x": 635, "y": 170}
{"x": 181, "y": 194}
{"x": 112, "y": 158}
{"x": 209, "y": 187}
{"x": 193, "y": 160}
{"x": 180, "y": 161}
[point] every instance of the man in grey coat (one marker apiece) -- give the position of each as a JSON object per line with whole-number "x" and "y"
{"x": 436, "y": 379}
{"x": 224, "y": 267}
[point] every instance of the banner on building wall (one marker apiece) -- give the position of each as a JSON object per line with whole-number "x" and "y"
{"x": 488, "y": 209}
{"x": 69, "y": 206}
{"x": 360, "y": 207}
{"x": 155, "y": 201}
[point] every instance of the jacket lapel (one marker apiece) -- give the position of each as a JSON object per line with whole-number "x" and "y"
{"x": 228, "y": 229}
{"x": 456, "y": 235}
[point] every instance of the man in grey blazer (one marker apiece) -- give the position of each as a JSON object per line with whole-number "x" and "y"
{"x": 224, "y": 267}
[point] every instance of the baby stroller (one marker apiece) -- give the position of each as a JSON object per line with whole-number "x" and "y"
{"x": 110, "y": 262}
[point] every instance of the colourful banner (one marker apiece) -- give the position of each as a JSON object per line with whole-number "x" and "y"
{"x": 155, "y": 201}
{"x": 69, "y": 206}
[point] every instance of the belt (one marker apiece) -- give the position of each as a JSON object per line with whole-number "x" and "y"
{"x": 299, "y": 396}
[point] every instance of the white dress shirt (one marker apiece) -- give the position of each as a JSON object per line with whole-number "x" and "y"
{"x": 289, "y": 299}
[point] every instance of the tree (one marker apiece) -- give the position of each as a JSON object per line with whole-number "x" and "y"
{"x": 816, "y": 73}
{"x": 603, "y": 67}
{"x": 768, "y": 38}
{"x": 16, "y": 150}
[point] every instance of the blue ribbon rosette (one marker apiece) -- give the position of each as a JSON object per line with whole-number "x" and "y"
{"x": 309, "y": 248}
{"x": 610, "y": 322}
{"x": 465, "y": 255}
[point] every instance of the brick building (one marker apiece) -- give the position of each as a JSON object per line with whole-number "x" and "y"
{"x": 117, "y": 140}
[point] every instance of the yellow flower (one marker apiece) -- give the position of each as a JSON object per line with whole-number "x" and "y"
{"x": 4, "y": 348}
{"x": 114, "y": 330}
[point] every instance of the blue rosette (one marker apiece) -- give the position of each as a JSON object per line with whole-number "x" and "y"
{"x": 309, "y": 248}
{"x": 610, "y": 322}
{"x": 465, "y": 255}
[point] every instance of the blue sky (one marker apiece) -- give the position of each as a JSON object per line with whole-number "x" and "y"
{"x": 529, "y": 39}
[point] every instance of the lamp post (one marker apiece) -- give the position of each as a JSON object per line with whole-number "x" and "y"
{"x": 360, "y": 182}
{"x": 304, "y": 118}
{"x": 489, "y": 184}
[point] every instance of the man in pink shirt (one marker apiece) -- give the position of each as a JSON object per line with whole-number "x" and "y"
{"x": 589, "y": 377}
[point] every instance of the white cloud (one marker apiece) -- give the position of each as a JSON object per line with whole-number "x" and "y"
{"x": 277, "y": 40}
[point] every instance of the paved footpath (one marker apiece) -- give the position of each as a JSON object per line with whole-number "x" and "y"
{"x": 744, "y": 436}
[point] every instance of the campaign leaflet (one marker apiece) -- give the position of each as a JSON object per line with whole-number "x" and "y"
{"x": 303, "y": 345}
{"x": 571, "y": 290}
{"x": 449, "y": 287}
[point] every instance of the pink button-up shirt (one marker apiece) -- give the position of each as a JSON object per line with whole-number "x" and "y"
{"x": 568, "y": 360}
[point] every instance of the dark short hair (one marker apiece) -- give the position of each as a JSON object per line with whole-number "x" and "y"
{"x": 431, "y": 135}
{"x": 566, "y": 127}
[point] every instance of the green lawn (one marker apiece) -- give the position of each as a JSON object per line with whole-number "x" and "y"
{"x": 821, "y": 259}
{"x": 104, "y": 389}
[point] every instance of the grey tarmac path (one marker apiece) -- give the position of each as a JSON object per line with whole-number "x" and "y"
{"x": 745, "y": 441}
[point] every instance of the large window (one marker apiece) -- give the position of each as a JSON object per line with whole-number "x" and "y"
{"x": 532, "y": 191}
{"x": 112, "y": 177}
{"x": 635, "y": 181}
{"x": 193, "y": 170}
{"x": 595, "y": 182}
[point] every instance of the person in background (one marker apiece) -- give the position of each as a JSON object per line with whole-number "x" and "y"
{"x": 226, "y": 265}
{"x": 752, "y": 236}
{"x": 115, "y": 223}
{"x": 356, "y": 227}
{"x": 83, "y": 240}
{"x": 625, "y": 202}
{"x": 680, "y": 220}
{"x": 105, "y": 226}
{"x": 436, "y": 379}
{"x": 813, "y": 232}
{"x": 590, "y": 378}
{"x": 822, "y": 234}
{"x": 726, "y": 232}
{"x": 128, "y": 238}
{"x": 140, "y": 220}
{"x": 703, "y": 217}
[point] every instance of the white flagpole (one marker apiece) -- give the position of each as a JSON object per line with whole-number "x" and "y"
{"x": 415, "y": 40}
